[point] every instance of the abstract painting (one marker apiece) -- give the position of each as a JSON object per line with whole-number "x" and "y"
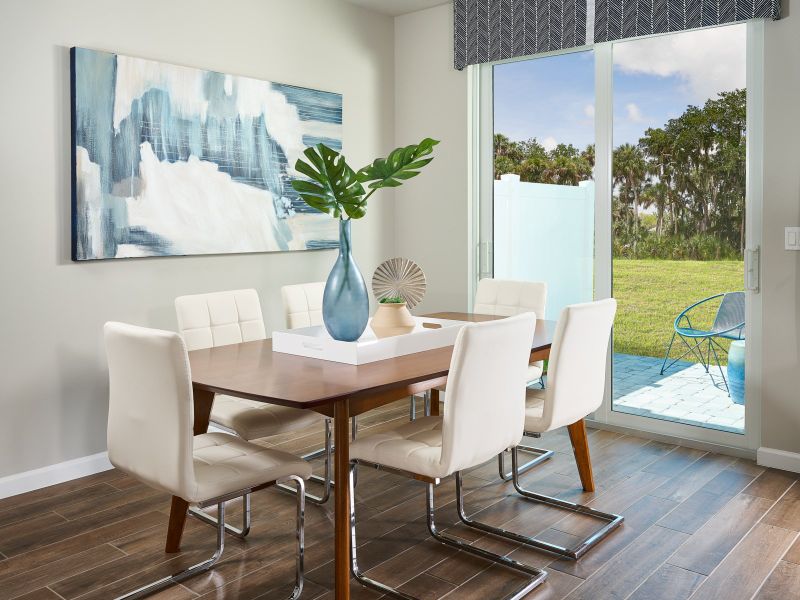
{"x": 170, "y": 160}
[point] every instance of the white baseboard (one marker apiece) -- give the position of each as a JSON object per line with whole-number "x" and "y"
{"x": 678, "y": 441}
{"x": 20, "y": 483}
{"x": 779, "y": 459}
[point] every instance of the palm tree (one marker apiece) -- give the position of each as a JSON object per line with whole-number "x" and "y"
{"x": 630, "y": 175}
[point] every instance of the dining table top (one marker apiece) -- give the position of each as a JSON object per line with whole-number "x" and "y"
{"x": 253, "y": 370}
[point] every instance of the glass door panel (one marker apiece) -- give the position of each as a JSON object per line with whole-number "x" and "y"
{"x": 678, "y": 219}
{"x": 543, "y": 189}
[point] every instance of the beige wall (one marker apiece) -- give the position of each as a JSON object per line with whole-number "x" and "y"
{"x": 780, "y": 268}
{"x": 431, "y": 101}
{"x": 53, "y": 402}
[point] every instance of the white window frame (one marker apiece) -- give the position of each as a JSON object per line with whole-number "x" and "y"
{"x": 480, "y": 172}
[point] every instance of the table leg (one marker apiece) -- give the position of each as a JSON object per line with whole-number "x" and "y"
{"x": 580, "y": 446}
{"x": 341, "y": 422}
{"x": 434, "y": 402}
{"x": 177, "y": 520}
{"x": 203, "y": 400}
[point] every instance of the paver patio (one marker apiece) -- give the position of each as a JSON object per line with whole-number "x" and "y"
{"x": 685, "y": 393}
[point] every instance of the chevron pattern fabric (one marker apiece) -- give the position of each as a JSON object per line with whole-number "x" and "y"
{"x": 621, "y": 19}
{"x": 489, "y": 30}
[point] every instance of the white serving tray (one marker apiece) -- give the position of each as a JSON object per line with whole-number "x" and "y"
{"x": 316, "y": 342}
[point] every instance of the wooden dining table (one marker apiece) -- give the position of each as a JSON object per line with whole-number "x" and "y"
{"x": 253, "y": 370}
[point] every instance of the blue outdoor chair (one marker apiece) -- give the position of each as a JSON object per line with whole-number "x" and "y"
{"x": 728, "y": 323}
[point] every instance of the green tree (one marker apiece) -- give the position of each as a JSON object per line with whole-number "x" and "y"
{"x": 630, "y": 176}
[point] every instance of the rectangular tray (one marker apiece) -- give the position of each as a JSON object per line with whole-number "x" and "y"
{"x": 316, "y": 342}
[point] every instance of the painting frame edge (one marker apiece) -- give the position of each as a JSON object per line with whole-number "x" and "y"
{"x": 74, "y": 184}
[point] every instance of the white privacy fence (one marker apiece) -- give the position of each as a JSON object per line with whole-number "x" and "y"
{"x": 545, "y": 232}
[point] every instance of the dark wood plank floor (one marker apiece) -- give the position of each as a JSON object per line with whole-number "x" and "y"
{"x": 697, "y": 525}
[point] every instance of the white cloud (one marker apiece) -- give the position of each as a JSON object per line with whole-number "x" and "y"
{"x": 634, "y": 113}
{"x": 588, "y": 110}
{"x": 708, "y": 61}
{"x": 549, "y": 143}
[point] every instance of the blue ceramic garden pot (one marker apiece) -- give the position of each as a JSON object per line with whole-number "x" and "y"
{"x": 736, "y": 371}
{"x": 345, "y": 303}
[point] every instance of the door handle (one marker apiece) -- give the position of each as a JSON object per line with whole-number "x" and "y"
{"x": 752, "y": 269}
{"x": 485, "y": 260}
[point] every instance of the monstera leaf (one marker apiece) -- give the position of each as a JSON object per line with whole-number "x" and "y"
{"x": 334, "y": 187}
{"x": 400, "y": 165}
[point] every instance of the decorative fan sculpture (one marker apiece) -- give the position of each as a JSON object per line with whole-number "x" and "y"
{"x": 399, "y": 277}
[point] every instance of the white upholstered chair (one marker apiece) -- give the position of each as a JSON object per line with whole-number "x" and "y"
{"x": 504, "y": 297}
{"x": 302, "y": 304}
{"x": 151, "y": 438}
{"x": 485, "y": 414}
{"x": 576, "y": 383}
{"x": 232, "y": 317}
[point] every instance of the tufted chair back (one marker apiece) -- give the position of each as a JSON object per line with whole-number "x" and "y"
{"x": 486, "y": 391}
{"x": 150, "y": 412}
{"x": 506, "y": 298}
{"x": 220, "y": 318}
{"x": 576, "y": 380}
{"x": 302, "y": 304}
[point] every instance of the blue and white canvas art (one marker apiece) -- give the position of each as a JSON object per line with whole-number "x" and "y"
{"x": 170, "y": 160}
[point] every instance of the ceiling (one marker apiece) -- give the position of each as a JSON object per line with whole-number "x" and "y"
{"x": 398, "y": 7}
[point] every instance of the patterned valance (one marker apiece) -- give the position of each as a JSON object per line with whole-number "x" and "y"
{"x": 621, "y": 19}
{"x": 489, "y": 30}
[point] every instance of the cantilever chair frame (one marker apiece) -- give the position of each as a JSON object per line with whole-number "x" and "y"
{"x": 689, "y": 332}
{"x": 535, "y": 575}
{"x": 326, "y": 481}
{"x": 539, "y": 454}
{"x": 612, "y": 521}
{"x": 222, "y": 528}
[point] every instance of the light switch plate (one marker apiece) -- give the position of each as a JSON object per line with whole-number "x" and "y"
{"x": 792, "y": 236}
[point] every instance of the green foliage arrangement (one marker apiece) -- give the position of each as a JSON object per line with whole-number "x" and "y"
{"x": 691, "y": 172}
{"x": 333, "y": 187}
{"x": 392, "y": 300}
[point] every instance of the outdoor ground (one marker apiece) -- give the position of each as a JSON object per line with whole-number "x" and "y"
{"x": 651, "y": 293}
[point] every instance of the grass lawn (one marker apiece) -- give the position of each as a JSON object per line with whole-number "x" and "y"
{"x": 651, "y": 293}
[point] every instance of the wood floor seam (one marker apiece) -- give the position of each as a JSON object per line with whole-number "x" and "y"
{"x": 775, "y": 566}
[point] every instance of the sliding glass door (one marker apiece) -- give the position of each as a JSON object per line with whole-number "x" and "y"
{"x": 633, "y": 170}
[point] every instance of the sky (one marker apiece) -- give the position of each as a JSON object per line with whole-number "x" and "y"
{"x": 655, "y": 79}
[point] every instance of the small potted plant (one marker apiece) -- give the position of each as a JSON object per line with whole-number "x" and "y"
{"x": 392, "y": 318}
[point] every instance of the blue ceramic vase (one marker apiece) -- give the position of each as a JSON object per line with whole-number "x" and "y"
{"x": 345, "y": 303}
{"x": 736, "y": 371}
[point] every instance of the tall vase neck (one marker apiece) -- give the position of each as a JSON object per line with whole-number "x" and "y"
{"x": 345, "y": 244}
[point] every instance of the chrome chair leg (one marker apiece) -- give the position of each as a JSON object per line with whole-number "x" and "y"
{"x": 540, "y": 454}
{"x": 152, "y": 588}
{"x": 612, "y": 521}
{"x": 354, "y": 568}
{"x": 230, "y": 529}
{"x": 222, "y": 528}
{"x": 412, "y": 408}
{"x": 537, "y": 576}
{"x": 300, "y": 536}
{"x": 427, "y": 399}
{"x": 327, "y": 480}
